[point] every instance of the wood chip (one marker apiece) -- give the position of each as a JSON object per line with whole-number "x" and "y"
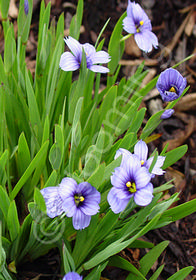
{"x": 153, "y": 93}
{"x": 169, "y": 48}
{"x": 187, "y": 103}
{"x": 147, "y": 62}
{"x": 53, "y": 2}
{"x": 152, "y": 72}
{"x": 180, "y": 135}
{"x": 131, "y": 48}
{"x": 66, "y": 31}
{"x": 179, "y": 178}
{"x": 155, "y": 105}
{"x": 69, "y": 5}
{"x": 13, "y": 10}
{"x": 190, "y": 24}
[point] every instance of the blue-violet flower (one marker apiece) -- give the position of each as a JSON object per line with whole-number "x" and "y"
{"x": 167, "y": 114}
{"x": 171, "y": 84}
{"x": 130, "y": 180}
{"x": 141, "y": 151}
{"x": 71, "y": 61}
{"x": 137, "y": 22}
{"x": 77, "y": 201}
{"x": 72, "y": 276}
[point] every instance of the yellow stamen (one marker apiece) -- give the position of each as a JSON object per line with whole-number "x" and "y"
{"x": 131, "y": 187}
{"x": 142, "y": 162}
{"x": 172, "y": 89}
{"x": 78, "y": 199}
{"x": 128, "y": 184}
{"x": 141, "y": 22}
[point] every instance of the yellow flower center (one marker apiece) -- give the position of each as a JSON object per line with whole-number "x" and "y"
{"x": 141, "y": 22}
{"x": 131, "y": 187}
{"x": 138, "y": 26}
{"x": 142, "y": 162}
{"x": 172, "y": 89}
{"x": 78, "y": 199}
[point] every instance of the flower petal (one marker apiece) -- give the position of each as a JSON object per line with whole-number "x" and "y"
{"x": 100, "y": 57}
{"x": 117, "y": 205}
{"x": 122, "y": 151}
{"x": 72, "y": 276}
{"x": 26, "y": 7}
{"x": 145, "y": 40}
{"x": 67, "y": 187}
{"x": 68, "y": 62}
{"x": 142, "y": 177}
{"x": 85, "y": 188}
{"x": 53, "y": 201}
{"x": 129, "y": 25}
{"x": 80, "y": 220}
{"x": 69, "y": 206}
{"x": 157, "y": 167}
{"x": 167, "y": 114}
{"x": 169, "y": 96}
{"x": 92, "y": 198}
{"x": 99, "y": 69}
{"x": 141, "y": 150}
{"x": 131, "y": 164}
{"x": 75, "y": 47}
{"x": 152, "y": 38}
{"x": 89, "y": 207}
{"x": 119, "y": 177}
{"x": 89, "y": 50}
{"x": 144, "y": 196}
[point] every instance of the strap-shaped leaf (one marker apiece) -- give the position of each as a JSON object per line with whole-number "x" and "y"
{"x": 12, "y": 221}
{"x": 117, "y": 261}
{"x": 76, "y": 21}
{"x": 4, "y": 202}
{"x": 42, "y": 152}
{"x": 181, "y": 274}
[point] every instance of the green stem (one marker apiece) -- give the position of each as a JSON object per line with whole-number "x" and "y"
{"x": 126, "y": 37}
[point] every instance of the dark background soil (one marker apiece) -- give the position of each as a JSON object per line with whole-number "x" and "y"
{"x": 167, "y": 17}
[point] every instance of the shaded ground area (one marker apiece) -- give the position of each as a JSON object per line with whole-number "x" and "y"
{"x": 174, "y": 22}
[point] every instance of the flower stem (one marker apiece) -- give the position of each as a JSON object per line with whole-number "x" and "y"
{"x": 125, "y": 37}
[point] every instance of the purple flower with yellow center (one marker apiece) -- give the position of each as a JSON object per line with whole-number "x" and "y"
{"x": 130, "y": 180}
{"x": 71, "y": 61}
{"x": 167, "y": 114}
{"x": 79, "y": 201}
{"x": 26, "y": 7}
{"x": 72, "y": 276}
{"x": 171, "y": 84}
{"x": 141, "y": 151}
{"x": 138, "y": 23}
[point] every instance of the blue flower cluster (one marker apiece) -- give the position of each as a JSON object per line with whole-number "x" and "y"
{"x": 79, "y": 201}
{"x": 130, "y": 179}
